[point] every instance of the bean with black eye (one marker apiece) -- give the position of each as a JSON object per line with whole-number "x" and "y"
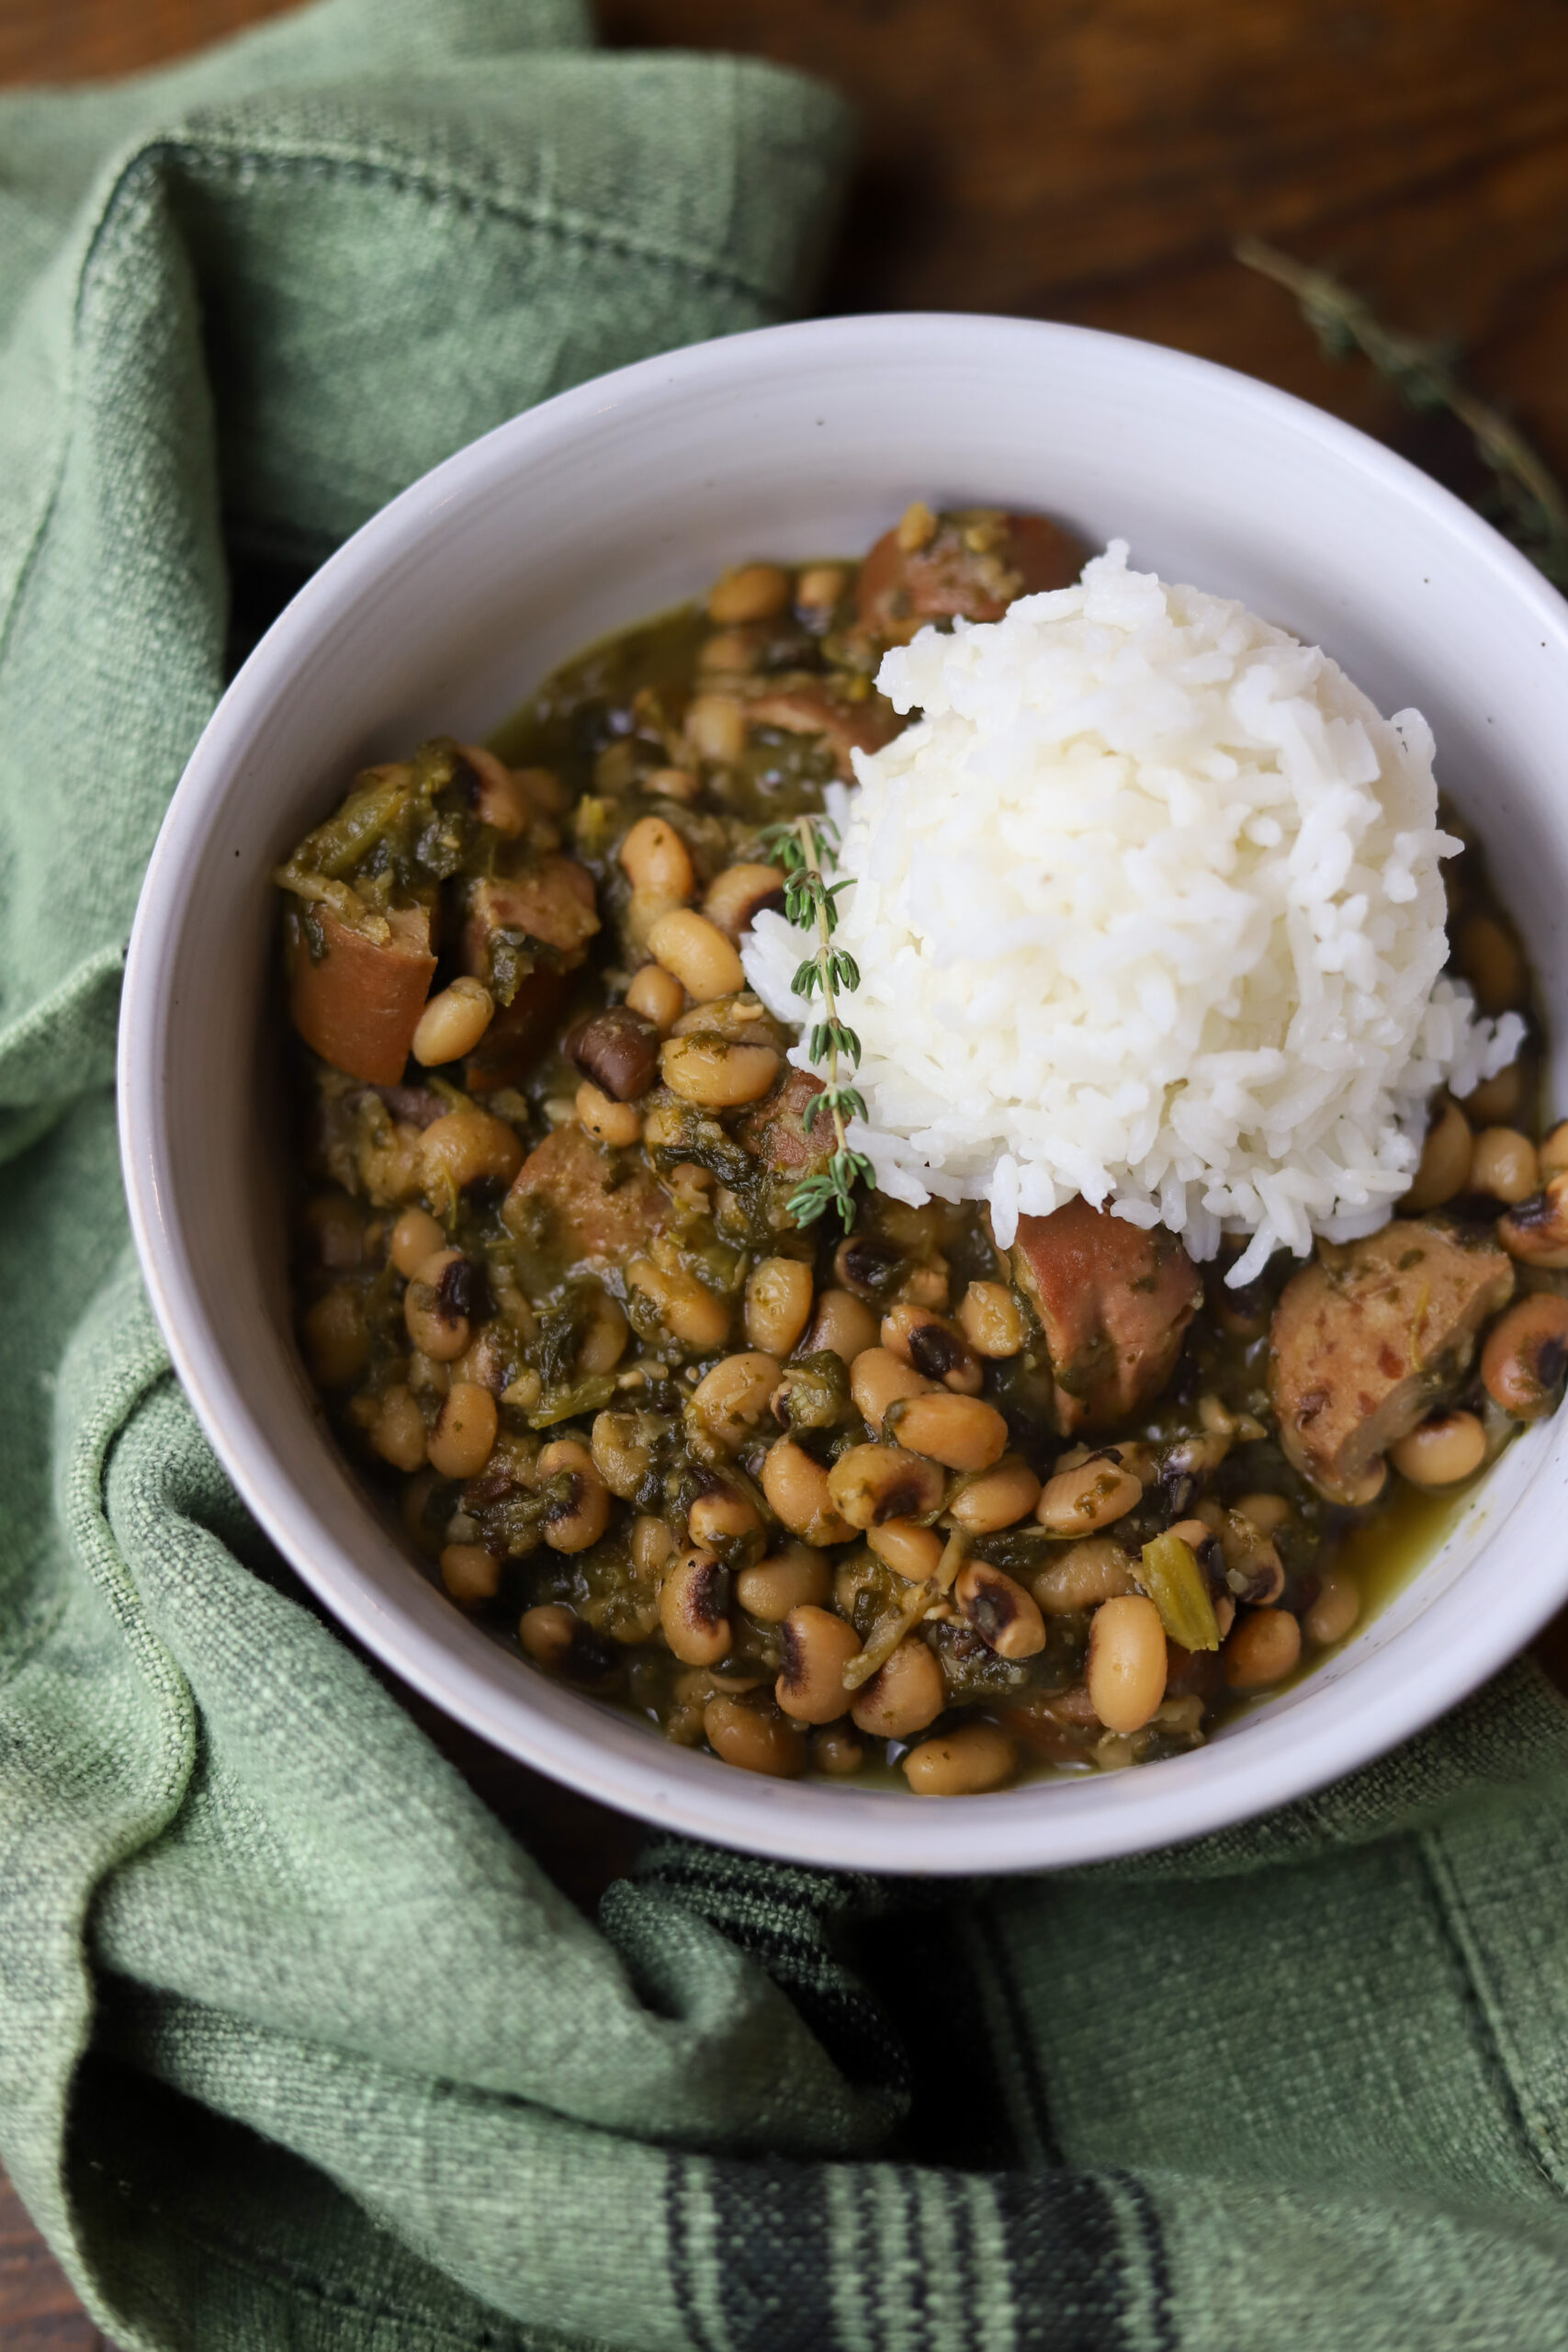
{"x": 870, "y": 1483}
{"x": 1535, "y": 1231}
{"x": 618, "y": 1049}
{"x": 904, "y": 1695}
{"x": 1001, "y": 1613}
{"x": 816, "y": 1647}
{"x": 934, "y": 1346}
{"x": 555, "y": 1638}
{"x": 1526, "y": 1356}
{"x": 583, "y": 1518}
{"x": 755, "y": 1737}
{"x": 692, "y": 1608}
{"x": 868, "y": 1266}
{"x": 786, "y": 1579}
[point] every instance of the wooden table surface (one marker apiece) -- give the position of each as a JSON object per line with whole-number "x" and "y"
{"x": 1092, "y": 161}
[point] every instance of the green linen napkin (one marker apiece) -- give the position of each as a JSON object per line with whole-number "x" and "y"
{"x": 297, "y": 2047}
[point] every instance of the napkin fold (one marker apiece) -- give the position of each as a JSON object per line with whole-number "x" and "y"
{"x": 297, "y": 2046}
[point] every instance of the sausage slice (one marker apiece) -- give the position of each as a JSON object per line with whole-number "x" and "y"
{"x": 1367, "y": 1338}
{"x": 1114, "y": 1302}
{"x": 358, "y": 1002}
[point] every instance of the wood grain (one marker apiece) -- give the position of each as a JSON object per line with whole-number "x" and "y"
{"x": 38, "y": 2311}
{"x": 1092, "y": 161}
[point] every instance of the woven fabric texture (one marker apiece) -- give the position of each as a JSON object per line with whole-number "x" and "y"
{"x": 299, "y": 2047}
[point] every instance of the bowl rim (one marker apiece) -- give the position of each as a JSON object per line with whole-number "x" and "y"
{"x": 1286, "y": 1756}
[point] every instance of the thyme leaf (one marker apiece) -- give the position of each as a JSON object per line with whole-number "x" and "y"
{"x": 808, "y": 851}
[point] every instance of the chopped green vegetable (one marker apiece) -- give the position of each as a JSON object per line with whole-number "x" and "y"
{"x": 1174, "y": 1580}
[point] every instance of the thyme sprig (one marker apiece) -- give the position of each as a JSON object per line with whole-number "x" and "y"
{"x": 1527, "y": 501}
{"x": 808, "y": 851}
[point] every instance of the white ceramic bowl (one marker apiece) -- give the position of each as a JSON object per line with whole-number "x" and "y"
{"x": 604, "y": 506}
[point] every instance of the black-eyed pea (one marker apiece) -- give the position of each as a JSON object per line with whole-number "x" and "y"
{"x": 1445, "y": 1449}
{"x": 910, "y": 1550}
{"x": 650, "y": 1544}
{"x": 1504, "y": 1165}
{"x": 399, "y": 1434}
{"x": 604, "y": 1336}
{"x": 617, "y": 1126}
{"x": 731, "y": 649}
{"x": 1526, "y": 1356}
{"x": 871, "y": 1483}
{"x": 1262, "y": 1648}
{"x": 715, "y": 1073}
{"x": 658, "y": 995}
{"x": 732, "y": 1400}
{"x": 1088, "y": 1572}
{"x": 692, "y": 1608}
{"x": 1499, "y": 1101}
{"x": 1491, "y": 959}
{"x": 699, "y": 956}
{"x": 1093, "y": 1495}
{"x": 798, "y": 1495}
{"x": 583, "y": 1516}
{"x": 794, "y": 1576}
{"x": 470, "y": 1573}
{"x": 453, "y": 1021}
{"x": 1001, "y": 1613}
{"x": 927, "y": 1285}
{"x": 878, "y": 1378}
{"x": 870, "y": 1265}
{"x": 1267, "y": 1512}
{"x": 440, "y": 1304}
{"x": 464, "y": 1147}
{"x": 672, "y": 783}
{"x": 716, "y": 727}
{"x": 842, "y": 1323}
{"x": 819, "y": 587}
{"x": 961, "y": 1432}
{"x": 778, "y": 1304}
{"x": 497, "y": 796}
{"x": 655, "y": 860}
{"x": 1444, "y": 1168}
{"x": 621, "y": 1453}
{"x": 1535, "y": 1231}
{"x": 724, "y": 1515}
{"x": 1334, "y": 1613}
{"x": 1552, "y": 1154}
{"x": 933, "y": 1345}
{"x": 992, "y": 1321}
{"x": 465, "y": 1431}
{"x": 415, "y": 1236}
{"x": 755, "y": 1737}
{"x": 752, "y": 591}
{"x": 698, "y": 1317}
{"x": 815, "y": 1647}
{"x": 557, "y": 1638}
{"x": 836, "y": 1750}
{"x": 337, "y": 1345}
{"x": 995, "y": 1498}
{"x": 904, "y": 1694}
{"x": 963, "y": 1763}
{"x": 1127, "y": 1662}
{"x": 737, "y": 896}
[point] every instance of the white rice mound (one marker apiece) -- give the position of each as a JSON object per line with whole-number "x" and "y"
{"x": 1146, "y": 907}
